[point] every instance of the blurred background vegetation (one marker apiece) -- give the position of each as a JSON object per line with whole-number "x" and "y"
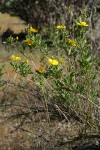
{"x": 42, "y": 14}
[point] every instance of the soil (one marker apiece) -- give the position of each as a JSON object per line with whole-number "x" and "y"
{"x": 11, "y": 22}
{"x": 43, "y": 135}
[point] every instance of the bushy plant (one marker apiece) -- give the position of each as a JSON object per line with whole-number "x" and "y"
{"x": 68, "y": 73}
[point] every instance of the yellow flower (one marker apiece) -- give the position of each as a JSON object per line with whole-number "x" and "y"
{"x": 82, "y": 24}
{"x": 61, "y": 27}
{"x": 28, "y": 42}
{"x": 41, "y": 69}
{"x": 27, "y": 61}
{"x": 18, "y": 58}
{"x": 72, "y": 42}
{"x": 15, "y": 57}
{"x": 17, "y": 38}
{"x": 33, "y": 30}
{"x": 53, "y": 61}
{"x": 60, "y": 60}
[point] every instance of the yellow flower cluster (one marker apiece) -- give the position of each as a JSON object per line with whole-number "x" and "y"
{"x": 15, "y": 58}
{"x": 28, "y": 42}
{"x": 53, "y": 62}
{"x": 61, "y": 27}
{"x": 82, "y": 24}
{"x": 31, "y": 29}
{"x": 72, "y": 42}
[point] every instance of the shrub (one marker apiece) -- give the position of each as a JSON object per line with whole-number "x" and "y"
{"x": 66, "y": 82}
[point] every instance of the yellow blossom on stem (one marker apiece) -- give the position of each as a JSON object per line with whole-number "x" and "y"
{"x": 60, "y": 60}
{"x": 17, "y": 38}
{"x": 15, "y": 57}
{"x": 27, "y": 61}
{"x": 82, "y": 24}
{"x": 53, "y": 62}
{"x": 61, "y": 27}
{"x": 72, "y": 42}
{"x": 18, "y": 58}
{"x": 41, "y": 69}
{"x": 28, "y": 42}
{"x": 31, "y": 29}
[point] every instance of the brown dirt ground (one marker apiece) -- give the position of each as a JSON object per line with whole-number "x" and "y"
{"x": 13, "y": 23}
